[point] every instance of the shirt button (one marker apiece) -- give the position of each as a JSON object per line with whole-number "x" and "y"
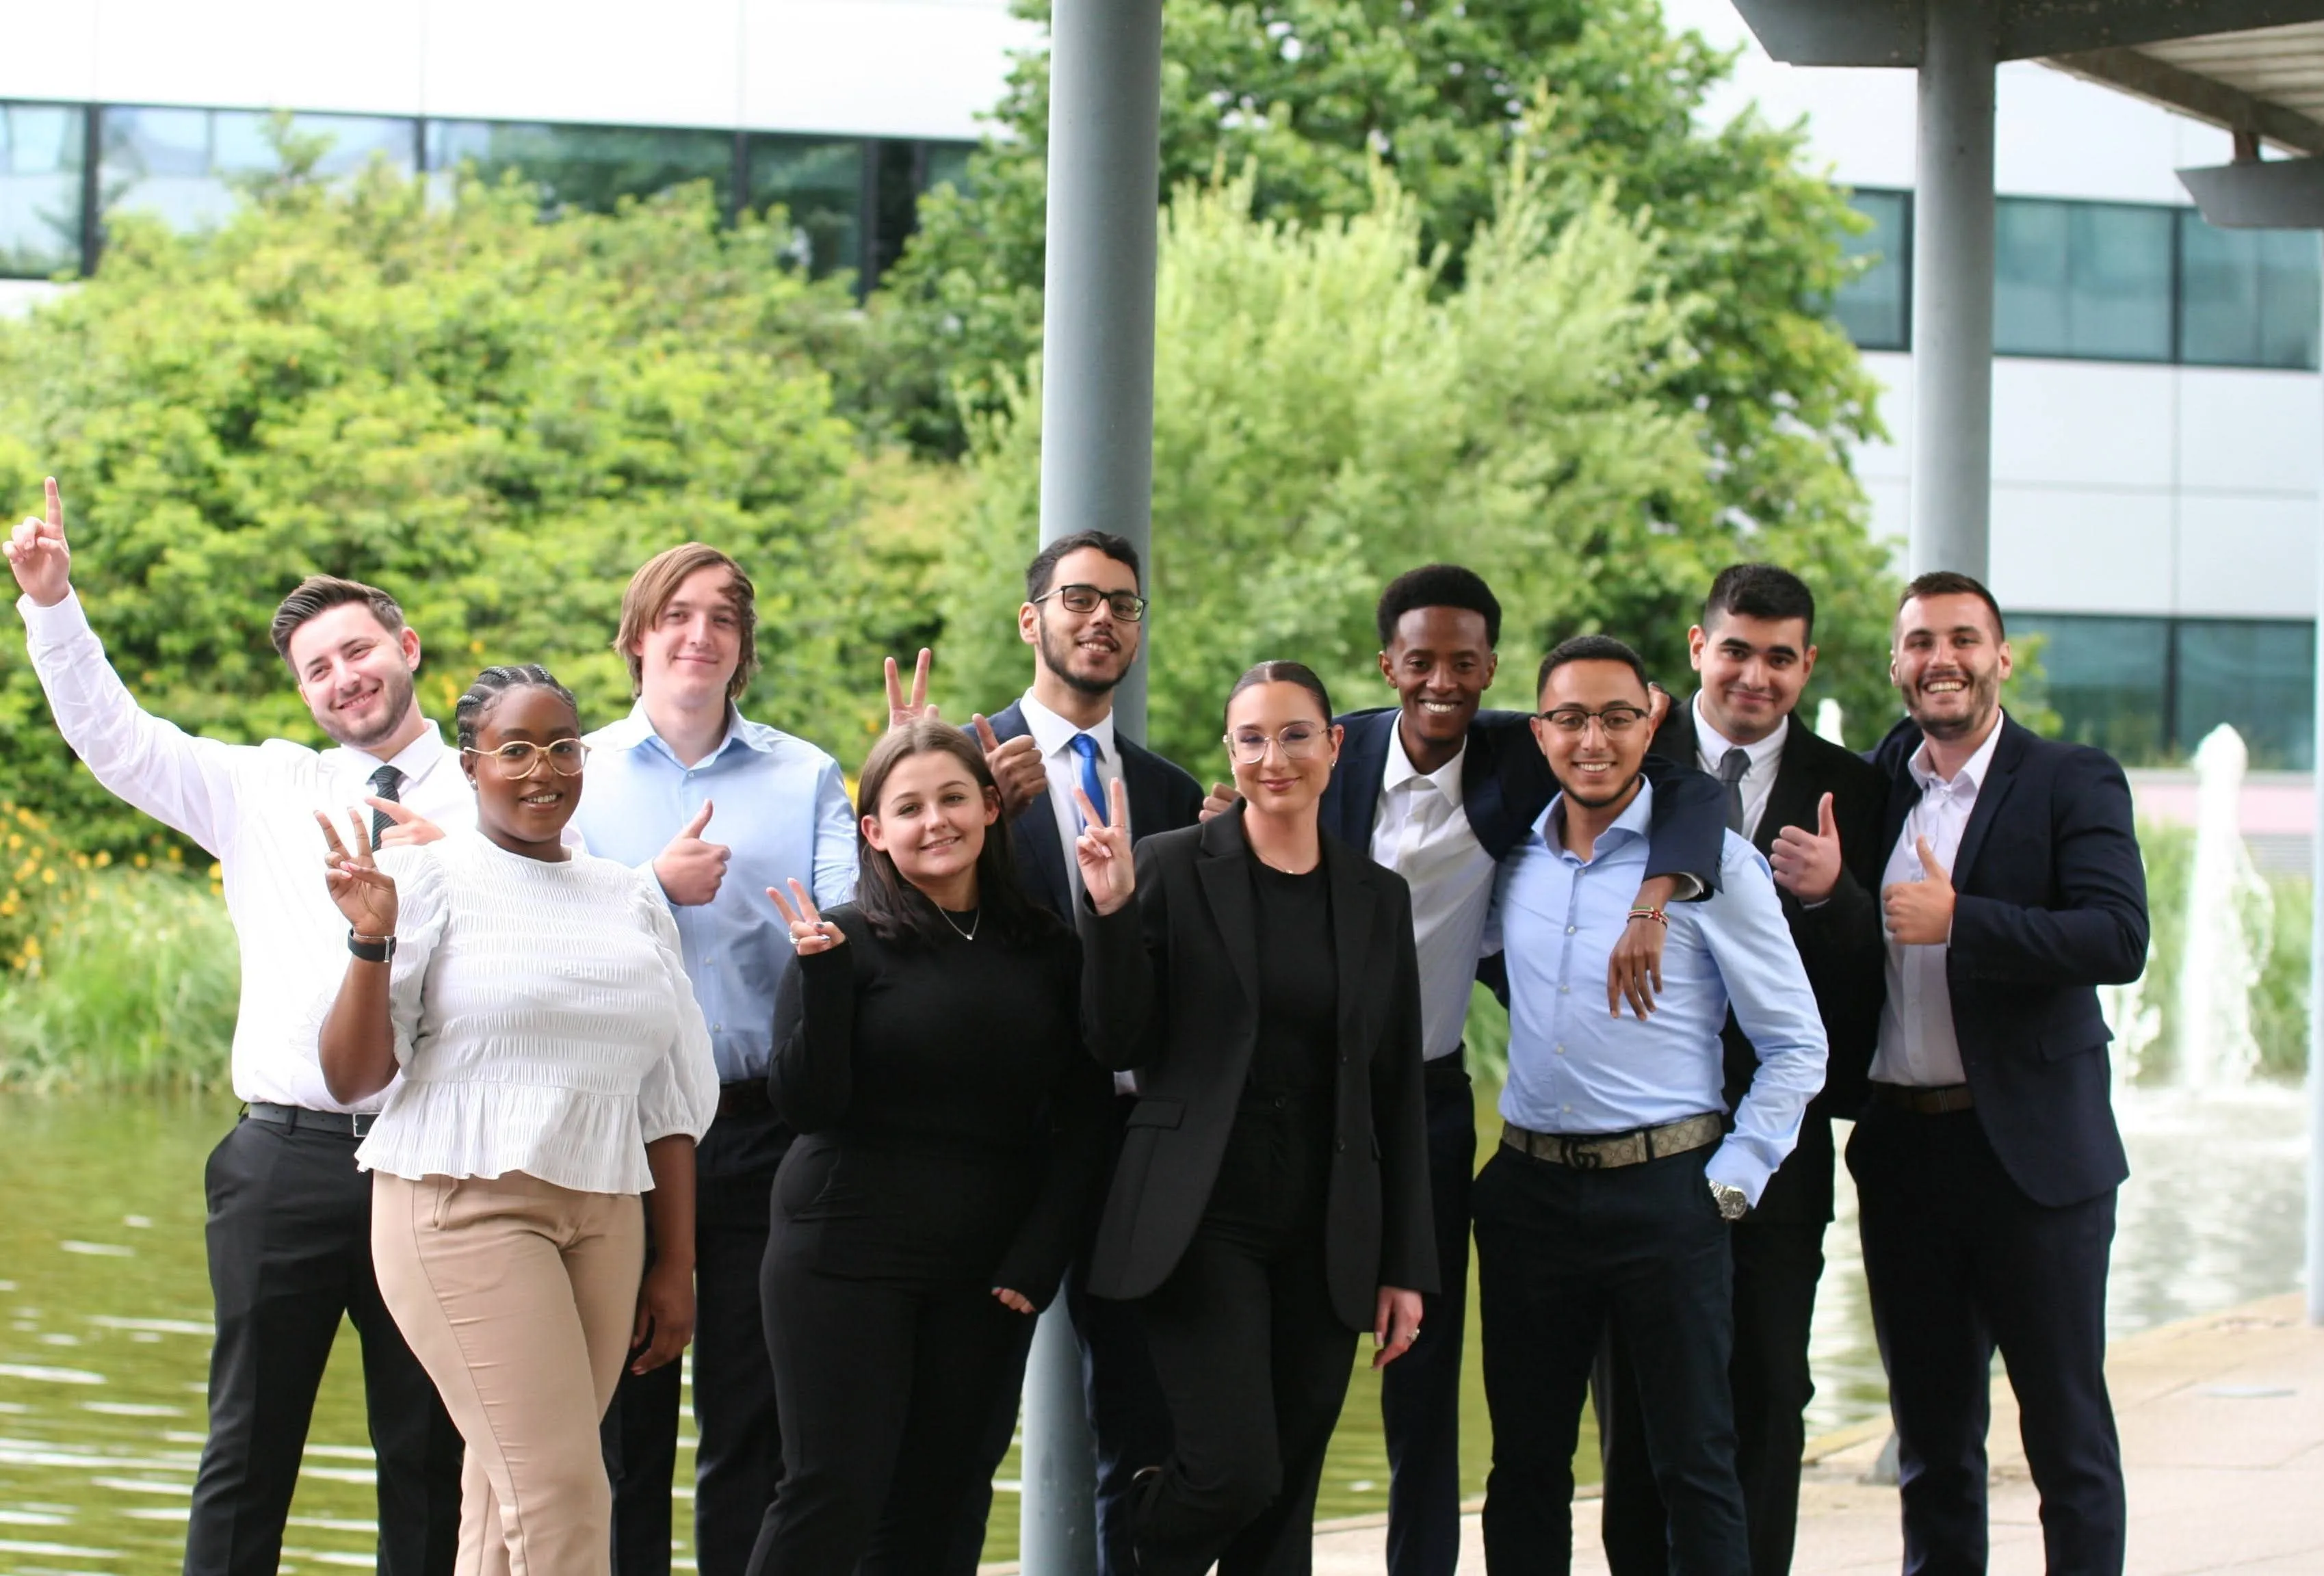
{"x": 1570, "y": 929}
{"x": 1563, "y": 989}
{"x": 1559, "y": 1049}
{"x": 1567, "y": 1109}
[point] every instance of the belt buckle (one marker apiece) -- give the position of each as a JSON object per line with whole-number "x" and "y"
{"x": 1583, "y": 1157}
{"x": 359, "y": 1123}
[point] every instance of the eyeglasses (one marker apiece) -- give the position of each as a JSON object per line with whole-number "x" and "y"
{"x": 1615, "y": 720}
{"x": 1297, "y": 742}
{"x": 1128, "y": 606}
{"x": 519, "y": 758}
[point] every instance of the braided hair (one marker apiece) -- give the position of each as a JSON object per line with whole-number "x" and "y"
{"x": 491, "y": 684}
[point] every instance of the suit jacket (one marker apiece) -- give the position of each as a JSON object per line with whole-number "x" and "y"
{"x": 1505, "y": 783}
{"x": 1162, "y": 797}
{"x": 2050, "y": 904}
{"x": 1838, "y": 940}
{"x": 1172, "y": 985}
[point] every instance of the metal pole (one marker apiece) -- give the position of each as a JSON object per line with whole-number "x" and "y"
{"x": 1097, "y": 473}
{"x": 1953, "y": 291}
{"x": 2316, "y": 968}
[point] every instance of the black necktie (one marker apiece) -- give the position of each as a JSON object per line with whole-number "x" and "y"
{"x": 386, "y": 783}
{"x": 1731, "y": 768}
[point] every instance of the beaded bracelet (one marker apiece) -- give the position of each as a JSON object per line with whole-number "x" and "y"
{"x": 1656, "y": 915}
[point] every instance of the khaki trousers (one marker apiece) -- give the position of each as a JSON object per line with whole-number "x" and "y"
{"x": 518, "y": 1297}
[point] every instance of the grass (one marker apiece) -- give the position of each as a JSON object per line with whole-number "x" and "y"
{"x": 132, "y": 984}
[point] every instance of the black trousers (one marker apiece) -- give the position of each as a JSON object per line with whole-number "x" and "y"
{"x": 1560, "y": 1253}
{"x": 1777, "y": 1264}
{"x": 738, "y": 1451}
{"x": 289, "y": 1255}
{"x": 1130, "y": 1425}
{"x": 1960, "y": 1261}
{"x": 884, "y": 1393}
{"x": 1253, "y": 1362}
{"x": 1420, "y": 1392}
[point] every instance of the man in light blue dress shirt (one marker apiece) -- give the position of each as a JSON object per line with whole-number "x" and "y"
{"x": 752, "y": 806}
{"x": 1620, "y": 1167}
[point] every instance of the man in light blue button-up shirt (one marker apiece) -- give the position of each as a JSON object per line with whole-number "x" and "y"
{"x": 750, "y": 807}
{"x": 1620, "y": 1169}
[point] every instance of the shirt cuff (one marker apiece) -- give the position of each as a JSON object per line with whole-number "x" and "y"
{"x": 1734, "y": 1165}
{"x": 48, "y": 626}
{"x": 1684, "y": 888}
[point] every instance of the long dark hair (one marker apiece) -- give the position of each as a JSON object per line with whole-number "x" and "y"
{"x": 898, "y": 910}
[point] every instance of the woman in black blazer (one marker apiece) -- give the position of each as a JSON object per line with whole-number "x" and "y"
{"x": 953, "y": 1136}
{"x": 1272, "y": 1196}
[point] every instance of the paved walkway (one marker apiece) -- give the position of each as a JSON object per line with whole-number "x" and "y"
{"x": 2222, "y": 1422}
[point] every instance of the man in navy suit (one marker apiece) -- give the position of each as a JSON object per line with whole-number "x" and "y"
{"x": 1083, "y": 615}
{"x": 1986, "y": 1159}
{"x": 1438, "y": 791}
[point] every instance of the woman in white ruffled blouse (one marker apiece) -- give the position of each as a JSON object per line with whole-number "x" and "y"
{"x": 554, "y": 1067}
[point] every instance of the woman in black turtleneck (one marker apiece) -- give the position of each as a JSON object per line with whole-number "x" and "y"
{"x": 1271, "y": 1197}
{"x": 954, "y": 1133}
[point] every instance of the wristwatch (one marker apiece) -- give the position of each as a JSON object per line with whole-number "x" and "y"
{"x": 1732, "y": 1202}
{"x": 371, "y": 949}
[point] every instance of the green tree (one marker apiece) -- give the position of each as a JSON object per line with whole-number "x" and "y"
{"x": 495, "y": 417}
{"x": 1307, "y": 92}
{"x": 1330, "y": 410}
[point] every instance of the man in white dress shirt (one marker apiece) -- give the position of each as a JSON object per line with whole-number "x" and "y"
{"x": 290, "y": 1215}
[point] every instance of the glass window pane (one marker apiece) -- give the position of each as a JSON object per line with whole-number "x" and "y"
{"x": 2258, "y": 675}
{"x": 2290, "y": 302}
{"x": 2082, "y": 279}
{"x": 946, "y": 164}
{"x": 2248, "y": 298}
{"x": 39, "y": 189}
{"x": 818, "y": 182}
{"x": 586, "y": 167}
{"x": 1876, "y": 307}
{"x": 2106, "y": 678}
{"x": 180, "y": 164}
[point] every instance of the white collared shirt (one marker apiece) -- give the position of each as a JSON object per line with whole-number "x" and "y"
{"x": 1420, "y": 830}
{"x": 253, "y": 806}
{"x": 1917, "y": 1043}
{"x": 1711, "y": 748}
{"x": 1054, "y": 737}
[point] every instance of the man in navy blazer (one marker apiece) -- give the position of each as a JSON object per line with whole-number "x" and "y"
{"x": 1083, "y": 615}
{"x": 1986, "y": 1159}
{"x": 1438, "y": 791}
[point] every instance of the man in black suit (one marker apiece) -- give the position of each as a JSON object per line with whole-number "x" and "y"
{"x": 1083, "y": 615}
{"x": 1438, "y": 790}
{"x": 1813, "y": 810}
{"x": 1986, "y": 1159}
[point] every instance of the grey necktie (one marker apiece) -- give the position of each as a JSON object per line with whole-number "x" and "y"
{"x": 387, "y": 783}
{"x": 1731, "y": 768}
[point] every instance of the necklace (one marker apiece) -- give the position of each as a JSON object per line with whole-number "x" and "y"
{"x": 970, "y": 934}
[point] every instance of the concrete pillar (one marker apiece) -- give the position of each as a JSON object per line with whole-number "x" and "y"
{"x": 1953, "y": 291}
{"x": 1097, "y": 473}
{"x": 2316, "y": 973}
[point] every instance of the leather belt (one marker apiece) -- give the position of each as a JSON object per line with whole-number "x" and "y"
{"x": 344, "y": 1124}
{"x": 1603, "y": 1152}
{"x": 744, "y": 1097}
{"x": 1926, "y": 1100}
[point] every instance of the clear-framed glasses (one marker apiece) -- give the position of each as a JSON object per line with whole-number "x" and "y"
{"x": 517, "y": 758}
{"x": 1128, "y": 606}
{"x": 1615, "y": 720}
{"x": 1297, "y": 741}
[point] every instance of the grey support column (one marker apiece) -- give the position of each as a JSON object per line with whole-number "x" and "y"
{"x": 1953, "y": 291}
{"x": 1097, "y": 473}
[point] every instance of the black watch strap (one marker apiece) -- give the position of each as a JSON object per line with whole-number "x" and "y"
{"x": 370, "y": 951}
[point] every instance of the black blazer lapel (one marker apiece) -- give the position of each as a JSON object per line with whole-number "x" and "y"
{"x": 1351, "y": 929}
{"x": 1224, "y": 871}
{"x": 1792, "y": 797}
{"x": 1354, "y": 793}
{"x": 1149, "y": 786}
{"x": 1999, "y": 778}
{"x": 1040, "y": 857}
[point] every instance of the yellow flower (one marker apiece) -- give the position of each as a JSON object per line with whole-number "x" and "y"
{"x": 16, "y": 841}
{"x": 104, "y": 858}
{"x": 142, "y": 861}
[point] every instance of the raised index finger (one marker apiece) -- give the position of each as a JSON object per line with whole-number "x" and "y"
{"x": 56, "y": 507}
{"x": 806, "y": 901}
{"x": 1117, "y": 802}
{"x": 920, "y": 679}
{"x": 331, "y": 836}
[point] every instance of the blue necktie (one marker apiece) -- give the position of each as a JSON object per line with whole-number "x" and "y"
{"x": 1086, "y": 748}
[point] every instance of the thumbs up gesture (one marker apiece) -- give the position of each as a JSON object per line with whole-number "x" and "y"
{"x": 1919, "y": 912}
{"x": 1015, "y": 764}
{"x": 1807, "y": 863}
{"x": 691, "y": 869}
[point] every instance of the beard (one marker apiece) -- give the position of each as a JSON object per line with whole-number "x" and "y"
{"x": 1614, "y": 798}
{"x": 395, "y": 705}
{"x": 1984, "y": 693}
{"x": 1057, "y": 654}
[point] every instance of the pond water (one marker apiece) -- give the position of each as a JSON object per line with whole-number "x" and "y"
{"x": 105, "y": 1322}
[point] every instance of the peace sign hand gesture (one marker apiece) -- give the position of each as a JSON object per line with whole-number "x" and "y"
{"x": 917, "y": 709}
{"x": 811, "y": 932}
{"x": 1109, "y": 873}
{"x": 365, "y": 893}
